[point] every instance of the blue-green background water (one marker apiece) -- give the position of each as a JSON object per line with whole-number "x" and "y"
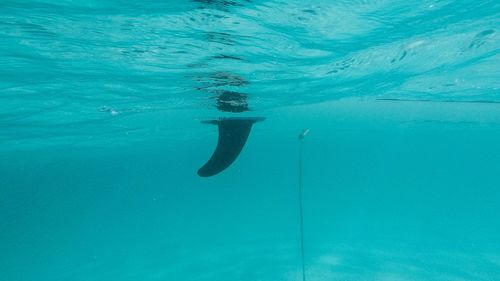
{"x": 100, "y": 110}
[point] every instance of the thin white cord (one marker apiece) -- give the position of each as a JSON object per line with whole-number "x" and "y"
{"x": 301, "y": 209}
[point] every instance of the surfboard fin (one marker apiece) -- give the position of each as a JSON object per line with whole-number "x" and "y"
{"x": 233, "y": 134}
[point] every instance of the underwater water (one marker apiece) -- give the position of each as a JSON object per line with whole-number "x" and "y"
{"x": 101, "y": 104}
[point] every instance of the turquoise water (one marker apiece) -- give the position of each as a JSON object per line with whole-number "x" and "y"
{"x": 101, "y": 104}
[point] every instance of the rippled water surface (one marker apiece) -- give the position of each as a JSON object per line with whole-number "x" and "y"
{"x": 68, "y": 64}
{"x": 100, "y": 139}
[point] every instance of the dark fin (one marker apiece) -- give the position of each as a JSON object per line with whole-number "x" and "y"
{"x": 233, "y": 134}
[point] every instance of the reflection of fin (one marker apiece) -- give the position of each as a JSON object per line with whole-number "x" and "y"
{"x": 233, "y": 134}
{"x": 229, "y": 101}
